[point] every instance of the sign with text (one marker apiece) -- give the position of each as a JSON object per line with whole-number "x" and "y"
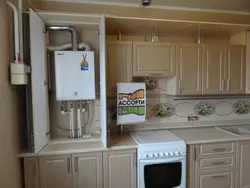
{"x": 131, "y": 103}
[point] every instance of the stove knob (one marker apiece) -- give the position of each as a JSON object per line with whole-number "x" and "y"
{"x": 176, "y": 153}
{"x": 155, "y": 154}
{"x": 166, "y": 154}
{"x": 145, "y": 155}
{"x": 161, "y": 154}
{"x": 171, "y": 153}
{"x": 150, "y": 155}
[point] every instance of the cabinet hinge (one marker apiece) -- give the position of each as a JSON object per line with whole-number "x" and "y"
{"x": 195, "y": 153}
{"x": 47, "y": 134}
{"x": 32, "y": 145}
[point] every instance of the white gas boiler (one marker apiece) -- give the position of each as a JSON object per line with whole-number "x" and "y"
{"x": 74, "y": 75}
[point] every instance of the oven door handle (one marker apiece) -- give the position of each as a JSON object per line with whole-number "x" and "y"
{"x": 160, "y": 160}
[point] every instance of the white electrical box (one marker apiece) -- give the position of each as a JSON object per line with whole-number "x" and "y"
{"x": 74, "y": 75}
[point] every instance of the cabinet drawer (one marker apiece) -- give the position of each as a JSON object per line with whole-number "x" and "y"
{"x": 216, "y": 179}
{"x": 218, "y": 148}
{"x": 216, "y": 162}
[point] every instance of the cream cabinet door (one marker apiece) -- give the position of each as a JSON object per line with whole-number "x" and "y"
{"x": 223, "y": 178}
{"x": 235, "y": 69}
{"x": 87, "y": 170}
{"x": 55, "y": 171}
{"x": 119, "y": 169}
{"x": 213, "y": 69}
{"x": 243, "y": 165}
{"x": 189, "y": 68}
{"x": 153, "y": 59}
{"x": 119, "y": 64}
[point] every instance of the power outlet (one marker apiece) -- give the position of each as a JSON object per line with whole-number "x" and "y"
{"x": 193, "y": 118}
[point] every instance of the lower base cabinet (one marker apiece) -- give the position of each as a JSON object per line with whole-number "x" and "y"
{"x": 55, "y": 171}
{"x": 243, "y": 164}
{"x": 119, "y": 169}
{"x": 216, "y": 179}
{"x": 87, "y": 170}
{"x": 107, "y": 169}
{"x": 219, "y": 165}
{"x": 212, "y": 165}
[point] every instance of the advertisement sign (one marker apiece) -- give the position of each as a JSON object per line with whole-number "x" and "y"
{"x": 131, "y": 103}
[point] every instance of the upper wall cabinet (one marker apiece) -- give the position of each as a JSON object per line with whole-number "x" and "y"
{"x": 235, "y": 69}
{"x": 213, "y": 69}
{"x": 119, "y": 64}
{"x": 153, "y": 59}
{"x": 189, "y": 64}
{"x": 208, "y": 69}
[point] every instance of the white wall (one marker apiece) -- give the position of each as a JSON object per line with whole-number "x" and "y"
{"x": 9, "y": 113}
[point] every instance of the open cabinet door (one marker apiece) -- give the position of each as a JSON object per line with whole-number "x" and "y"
{"x": 103, "y": 95}
{"x": 38, "y": 81}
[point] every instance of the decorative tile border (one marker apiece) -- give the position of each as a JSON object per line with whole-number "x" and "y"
{"x": 202, "y": 108}
{"x": 242, "y": 107}
{"x": 164, "y": 110}
{"x": 185, "y": 109}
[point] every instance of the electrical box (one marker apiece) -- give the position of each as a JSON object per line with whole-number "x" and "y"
{"x": 74, "y": 75}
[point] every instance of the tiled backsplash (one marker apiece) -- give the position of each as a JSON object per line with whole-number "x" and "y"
{"x": 178, "y": 111}
{"x": 207, "y": 110}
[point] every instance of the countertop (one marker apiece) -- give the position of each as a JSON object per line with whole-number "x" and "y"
{"x": 71, "y": 147}
{"x": 59, "y": 148}
{"x": 122, "y": 142}
{"x": 206, "y": 135}
{"x": 189, "y": 135}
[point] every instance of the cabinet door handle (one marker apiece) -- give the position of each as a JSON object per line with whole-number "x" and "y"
{"x": 180, "y": 84}
{"x": 219, "y": 149}
{"x": 219, "y": 163}
{"x": 219, "y": 176}
{"x": 222, "y": 85}
{"x": 155, "y": 74}
{"x": 228, "y": 85}
{"x": 76, "y": 164}
{"x": 134, "y": 158}
{"x": 195, "y": 153}
{"x": 68, "y": 164}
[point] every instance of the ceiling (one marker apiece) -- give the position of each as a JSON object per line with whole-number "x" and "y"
{"x": 209, "y": 5}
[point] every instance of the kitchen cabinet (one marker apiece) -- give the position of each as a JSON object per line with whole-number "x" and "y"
{"x": 213, "y": 69}
{"x": 87, "y": 170}
{"x": 216, "y": 179}
{"x": 38, "y": 128}
{"x": 224, "y": 69}
{"x": 119, "y": 169}
{"x": 153, "y": 59}
{"x": 211, "y": 165}
{"x": 192, "y": 69}
{"x": 55, "y": 171}
{"x": 235, "y": 69}
{"x": 101, "y": 169}
{"x": 243, "y": 164}
{"x": 119, "y": 64}
{"x": 208, "y": 69}
{"x": 189, "y": 69}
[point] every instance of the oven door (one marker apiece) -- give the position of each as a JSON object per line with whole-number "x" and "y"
{"x": 162, "y": 173}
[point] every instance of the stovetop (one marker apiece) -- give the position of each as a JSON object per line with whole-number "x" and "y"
{"x": 158, "y": 144}
{"x": 155, "y": 137}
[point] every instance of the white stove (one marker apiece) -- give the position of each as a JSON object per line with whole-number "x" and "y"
{"x": 161, "y": 159}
